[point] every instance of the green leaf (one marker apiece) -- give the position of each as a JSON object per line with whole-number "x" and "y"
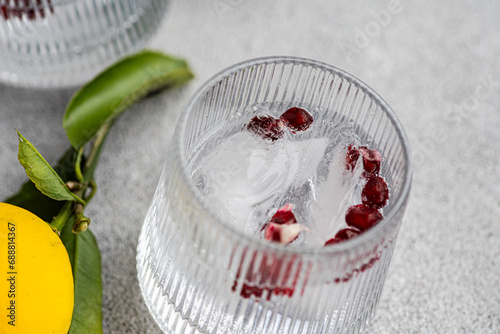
{"x": 31, "y": 199}
{"x": 86, "y": 264}
{"x": 112, "y": 91}
{"x": 41, "y": 174}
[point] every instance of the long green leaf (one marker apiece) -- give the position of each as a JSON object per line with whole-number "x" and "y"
{"x": 41, "y": 174}
{"x": 86, "y": 264}
{"x": 111, "y": 92}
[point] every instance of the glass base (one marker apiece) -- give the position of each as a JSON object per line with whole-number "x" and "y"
{"x": 180, "y": 307}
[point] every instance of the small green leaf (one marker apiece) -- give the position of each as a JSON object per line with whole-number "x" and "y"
{"x": 31, "y": 199}
{"x": 112, "y": 91}
{"x": 86, "y": 264}
{"x": 41, "y": 174}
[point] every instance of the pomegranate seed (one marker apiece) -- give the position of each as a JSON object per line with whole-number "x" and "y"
{"x": 342, "y": 235}
{"x": 370, "y": 264}
{"x": 247, "y": 291}
{"x": 362, "y": 216}
{"x": 375, "y": 193}
{"x": 371, "y": 160}
{"x": 272, "y": 276}
{"x": 283, "y": 233}
{"x": 273, "y": 232}
{"x": 5, "y": 12}
{"x": 297, "y": 119}
{"x": 283, "y": 226}
{"x": 269, "y": 278}
{"x": 347, "y": 233}
{"x": 18, "y": 8}
{"x": 347, "y": 277}
{"x": 266, "y": 127}
{"x": 284, "y": 215}
{"x": 30, "y": 13}
{"x": 351, "y": 157}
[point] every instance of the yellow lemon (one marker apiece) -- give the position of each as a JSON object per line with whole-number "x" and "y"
{"x": 36, "y": 282}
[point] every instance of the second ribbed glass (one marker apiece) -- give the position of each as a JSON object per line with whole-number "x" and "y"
{"x": 199, "y": 273}
{"x": 61, "y": 43}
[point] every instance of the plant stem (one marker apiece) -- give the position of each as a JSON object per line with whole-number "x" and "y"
{"x": 62, "y": 217}
{"x": 86, "y": 179}
{"x": 93, "y": 186}
{"x": 78, "y": 165}
{"x": 95, "y": 151}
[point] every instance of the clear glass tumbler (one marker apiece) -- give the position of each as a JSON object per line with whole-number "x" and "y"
{"x": 199, "y": 273}
{"x": 59, "y": 43}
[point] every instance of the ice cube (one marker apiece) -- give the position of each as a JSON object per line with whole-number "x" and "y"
{"x": 333, "y": 195}
{"x": 245, "y": 171}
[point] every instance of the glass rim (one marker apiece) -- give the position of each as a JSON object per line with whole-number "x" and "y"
{"x": 302, "y": 250}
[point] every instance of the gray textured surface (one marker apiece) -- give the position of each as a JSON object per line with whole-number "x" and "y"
{"x": 435, "y": 62}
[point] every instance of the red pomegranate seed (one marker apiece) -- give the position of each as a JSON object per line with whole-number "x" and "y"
{"x": 283, "y": 226}
{"x": 375, "y": 193}
{"x": 371, "y": 160}
{"x": 273, "y": 232}
{"x": 17, "y": 8}
{"x": 284, "y": 215}
{"x": 362, "y": 216}
{"x": 342, "y": 235}
{"x": 283, "y": 233}
{"x": 247, "y": 291}
{"x": 297, "y": 119}
{"x": 347, "y": 233}
{"x": 273, "y": 276}
{"x": 266, "y": 127}
{"x": 30, "y": 12}
{"x": 5, "y": 12}
{"x": 351, "y": 157}
{"x": 370, "y": 264}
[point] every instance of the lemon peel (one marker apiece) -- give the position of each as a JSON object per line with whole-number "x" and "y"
{"x": 36, "y": 287}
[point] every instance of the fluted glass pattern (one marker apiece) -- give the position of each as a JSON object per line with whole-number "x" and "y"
{"x": 58, "y": 43}
{"x": 195, "y": 269}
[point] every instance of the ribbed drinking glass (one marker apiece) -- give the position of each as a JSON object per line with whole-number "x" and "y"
{"x": 201, "y": 273}
{"x": 58, "y": 43}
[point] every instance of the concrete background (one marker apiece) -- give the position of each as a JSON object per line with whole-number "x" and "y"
{"x": 435, "y": 62}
